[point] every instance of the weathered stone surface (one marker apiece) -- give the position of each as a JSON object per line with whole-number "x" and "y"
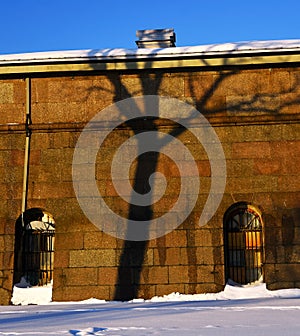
{"x": 255, "y": 113}
{"x": 92, "y": 258}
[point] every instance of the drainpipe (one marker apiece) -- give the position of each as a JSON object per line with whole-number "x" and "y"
{"x": 27, "y": 144}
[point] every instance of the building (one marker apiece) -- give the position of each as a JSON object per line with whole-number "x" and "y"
{"x": 250, "y": 95}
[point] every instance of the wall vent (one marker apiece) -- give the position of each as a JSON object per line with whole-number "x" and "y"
{"x": 155, "y": 38}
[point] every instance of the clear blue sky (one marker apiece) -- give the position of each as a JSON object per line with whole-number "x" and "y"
{"x": 44, "y": 25}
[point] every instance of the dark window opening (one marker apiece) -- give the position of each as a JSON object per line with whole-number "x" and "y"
{"x": 34, "y": 247}
{"x": 243, "y": 244}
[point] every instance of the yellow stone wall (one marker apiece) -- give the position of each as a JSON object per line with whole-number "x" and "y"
{"x": 255, "y": 112}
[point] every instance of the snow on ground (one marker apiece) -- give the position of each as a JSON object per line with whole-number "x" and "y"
{"x": 235, "y": 311}
{"x": 24, "y": 294}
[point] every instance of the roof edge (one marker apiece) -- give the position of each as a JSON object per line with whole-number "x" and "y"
{"x": 246, "y": 48}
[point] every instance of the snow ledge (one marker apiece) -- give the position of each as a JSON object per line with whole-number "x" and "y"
{"x": 224, "y": 49}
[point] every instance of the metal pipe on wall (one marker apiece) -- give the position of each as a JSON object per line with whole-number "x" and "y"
{"x": 27, "y": 143}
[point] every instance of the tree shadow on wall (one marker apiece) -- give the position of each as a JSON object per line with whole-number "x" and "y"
{"x": 290, "y": 222}
{"x": 202, "y": 90}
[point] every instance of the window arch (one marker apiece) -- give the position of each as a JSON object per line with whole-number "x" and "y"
{"x": 34, "y": 247}
{"x": 243, "y": 244}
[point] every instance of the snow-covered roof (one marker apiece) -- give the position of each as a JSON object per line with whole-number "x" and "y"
{"x": 211, "y": 50}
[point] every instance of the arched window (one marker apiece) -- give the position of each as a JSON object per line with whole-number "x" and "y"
{"x": 34, "y": 247}
{"x": 243, "y": 243}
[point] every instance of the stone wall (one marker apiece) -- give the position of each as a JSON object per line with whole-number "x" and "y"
{"x": 255, "y": 113}
{"x": 12, "y": 101}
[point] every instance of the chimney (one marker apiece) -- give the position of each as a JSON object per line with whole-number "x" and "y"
{"x": 155, "y": 38}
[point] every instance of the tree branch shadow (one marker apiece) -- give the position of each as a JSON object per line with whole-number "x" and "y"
{"x": 134, "y": 252}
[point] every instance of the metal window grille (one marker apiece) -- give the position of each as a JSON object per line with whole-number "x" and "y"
{"x": 34, "y": 247}
{"x": 38, "y": 256}
{"x": 243, "y": 245}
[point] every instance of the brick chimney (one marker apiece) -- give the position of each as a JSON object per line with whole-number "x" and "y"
{"x": 155, "y": 38}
